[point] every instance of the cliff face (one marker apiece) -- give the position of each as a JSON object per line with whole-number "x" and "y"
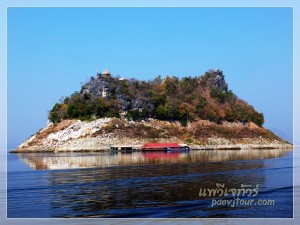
{"x": 76, "y": 135}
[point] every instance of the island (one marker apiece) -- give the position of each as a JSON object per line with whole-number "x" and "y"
{"x": 200, "y": 112}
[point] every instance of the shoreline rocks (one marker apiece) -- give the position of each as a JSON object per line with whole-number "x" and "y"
{"x": 98, "y": 135}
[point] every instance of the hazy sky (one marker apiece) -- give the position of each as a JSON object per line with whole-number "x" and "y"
{"x": 52, "y": 50}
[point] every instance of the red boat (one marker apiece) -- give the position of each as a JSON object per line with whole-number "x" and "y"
{"x": 167, "y": 147}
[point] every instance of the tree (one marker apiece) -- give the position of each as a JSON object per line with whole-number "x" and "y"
{"x": 58, "y": 113}
{"x": 113, "y": 109}
{"x": 53, "y": 115}
{"x": 217, "y": 94}
{"x": 87, "y": 96}
{"x": 134, "y": 114}
{"x": 230, "y": 97}
{"x": 157, "y": 99}
{"x": 171, "y": 85}
{"x": 188, "y": 85}
{"x": 258, "y": 118}
{"x": 183, "y": 114}
{"x": 73, "y": 111}
{"x": 102, "y": 107}
{"x": 156, "y": 81}
{"x": 160, "y": 112}
{"x": 202, "y": 102}
{"x": 145, "y": 112}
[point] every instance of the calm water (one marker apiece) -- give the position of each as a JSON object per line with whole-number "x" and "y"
{"x": 151, "y": 185}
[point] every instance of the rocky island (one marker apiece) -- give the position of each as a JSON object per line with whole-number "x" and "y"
{"x": 198, "y": 111}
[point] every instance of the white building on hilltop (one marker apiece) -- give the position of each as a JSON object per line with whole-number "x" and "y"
{"x": 106, "y": 73}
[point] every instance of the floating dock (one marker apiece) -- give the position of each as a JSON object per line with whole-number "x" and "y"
{"x": 125, "y": 148}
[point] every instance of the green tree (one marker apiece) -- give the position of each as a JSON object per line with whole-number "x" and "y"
{"x": 217, "y": 94}
{"x": 183, "y": 114}
{"x": 73, "y": 111}
{"x": 258, "y": 118}
{"x": 171, "y": 85}
{"x": 134, "y": 114}
{"x": 145, "y": 112}
{"x": 202, "y": 102}
{"x": 157, "y": 99}
{"x": 188, "y": 85}
{"x": 102, "y": 107}
{"x": 161, "y": 112}
{"x": 53, "y": 115}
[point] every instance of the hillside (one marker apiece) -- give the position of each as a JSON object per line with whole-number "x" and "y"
{"x": 199, "y": 111}
{"x": 205, "y": 97}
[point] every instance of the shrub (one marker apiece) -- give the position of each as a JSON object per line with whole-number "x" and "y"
{"x": 188, "y": 140}
{"x": 218, "y": 94}
{"x": 133, "y": 114}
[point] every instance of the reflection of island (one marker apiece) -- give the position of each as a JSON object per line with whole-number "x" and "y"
{"x": 51, "y": 161}
{"x": 158, "y": 185}
{"x": 125, "y": 191}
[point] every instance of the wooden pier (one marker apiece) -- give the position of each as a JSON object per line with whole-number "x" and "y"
{"x": 124, "y": 148}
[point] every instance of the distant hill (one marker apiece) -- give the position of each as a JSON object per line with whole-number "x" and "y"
{"x": 186, "y": 99}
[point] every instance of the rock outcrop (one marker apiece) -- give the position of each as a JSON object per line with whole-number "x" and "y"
{"x": 218, "y": 80}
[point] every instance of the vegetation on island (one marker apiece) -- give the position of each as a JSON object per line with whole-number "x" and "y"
{"x": 205, "y": 97}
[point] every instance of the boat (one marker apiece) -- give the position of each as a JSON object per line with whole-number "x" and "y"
{"x": 166, "y": 147}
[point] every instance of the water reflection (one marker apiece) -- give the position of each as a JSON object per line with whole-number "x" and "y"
{"x": 158, "y": 185}
{"x": 141, "y": 191}
{"x": 52, "y": 161}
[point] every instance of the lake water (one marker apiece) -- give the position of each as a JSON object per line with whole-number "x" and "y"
{"x": 149, "y": 185}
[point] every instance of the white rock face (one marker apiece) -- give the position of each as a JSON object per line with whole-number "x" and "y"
{"x": 77, "y": 130}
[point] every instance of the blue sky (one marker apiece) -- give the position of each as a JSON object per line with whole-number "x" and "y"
{"x": 52, "y": 50}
